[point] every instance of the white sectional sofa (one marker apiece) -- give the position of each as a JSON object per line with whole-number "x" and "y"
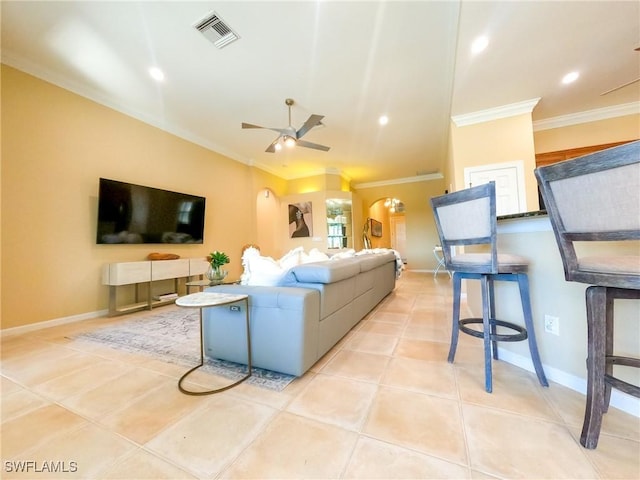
{"x": 296, "y": 322}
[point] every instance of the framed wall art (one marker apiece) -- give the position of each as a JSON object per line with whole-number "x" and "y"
{"x": 300, "y": 220}
{"x": 375, "y": 227}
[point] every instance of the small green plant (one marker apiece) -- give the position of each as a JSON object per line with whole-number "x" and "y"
{"x": 217, "y": 259}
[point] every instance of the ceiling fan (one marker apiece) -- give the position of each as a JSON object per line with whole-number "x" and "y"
{"x": 289, "y": 135}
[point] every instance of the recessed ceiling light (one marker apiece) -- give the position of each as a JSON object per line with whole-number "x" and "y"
{"x": 570, "y": 77}
{"x": 156, "y": 74}
{"x": 383, "y": 120}
{"x": 479, "y": 44}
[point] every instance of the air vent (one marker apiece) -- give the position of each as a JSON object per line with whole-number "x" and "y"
{"x": 216, "y": 30}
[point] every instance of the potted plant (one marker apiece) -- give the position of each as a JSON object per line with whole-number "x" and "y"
{"x": 216, "y": 260}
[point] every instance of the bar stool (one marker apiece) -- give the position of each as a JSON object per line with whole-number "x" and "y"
{"x": 597, "y": 198}
{"x": 468, "y": 217}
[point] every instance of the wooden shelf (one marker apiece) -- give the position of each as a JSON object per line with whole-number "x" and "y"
{"x": 121, "y": 274}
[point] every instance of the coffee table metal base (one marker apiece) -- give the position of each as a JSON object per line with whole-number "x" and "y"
{"x": 202, "y": 300}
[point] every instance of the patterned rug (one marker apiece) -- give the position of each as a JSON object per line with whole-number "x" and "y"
{"x": 174, "y": 336}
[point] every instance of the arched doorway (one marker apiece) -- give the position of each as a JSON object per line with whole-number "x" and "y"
{"x": 386, "y": 227}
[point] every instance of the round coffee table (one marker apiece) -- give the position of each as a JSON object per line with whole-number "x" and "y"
{"x": 214, "y": 299}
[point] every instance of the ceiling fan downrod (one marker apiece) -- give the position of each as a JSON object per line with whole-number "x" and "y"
{"x": 288, "y": 102}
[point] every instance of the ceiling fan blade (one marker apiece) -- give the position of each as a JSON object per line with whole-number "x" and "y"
{"x": 315, "y": 146}
{"x": 311, "y": 122}
{"x": 272, "y": 148}
{"x": 620, "y": 86}
{"x": 281, "y": 131}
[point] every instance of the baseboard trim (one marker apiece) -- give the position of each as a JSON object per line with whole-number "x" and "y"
{"x": 426, "y": 270}
{"x": 619, "y": 400}
{"x": 5, "y": 332}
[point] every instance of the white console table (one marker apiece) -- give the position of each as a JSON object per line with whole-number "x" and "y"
{"x": 146, "y": 272}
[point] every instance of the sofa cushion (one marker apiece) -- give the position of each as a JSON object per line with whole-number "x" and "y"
{"x": 321, "y": 272}
{"x": 371, "y": 261}
{"x": 269, "y": 297}
{"x": 350, "y": 253}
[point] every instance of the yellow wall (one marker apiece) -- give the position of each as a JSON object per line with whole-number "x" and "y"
{"x": 496, "y": 141}
{"x": 586, "y": 134}
{"x": 317, "y": 183}
{"x": 55, "y": 147}
{"x": 420, "y": 227}
{"x": 379, "y": 212}
{"x": 318, "y": 225}
{"x": 267, "y": 208}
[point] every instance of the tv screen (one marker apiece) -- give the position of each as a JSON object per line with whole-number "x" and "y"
{"x": 129, "y": 213}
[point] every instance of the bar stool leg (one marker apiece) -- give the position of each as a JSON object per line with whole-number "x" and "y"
{"x": 492, "y": 317}
{"x": 523, "y": 285}
{"x": 596, "y": 340}
{"x": 457, "y": 287}
{"x": 486, "y": 328}
{"x": 608, "y": 349}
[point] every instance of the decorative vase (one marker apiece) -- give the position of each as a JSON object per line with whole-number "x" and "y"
{"x": 215, "y": 274}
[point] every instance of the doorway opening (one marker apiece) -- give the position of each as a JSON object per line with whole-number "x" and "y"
{"x": 385, "y": 226}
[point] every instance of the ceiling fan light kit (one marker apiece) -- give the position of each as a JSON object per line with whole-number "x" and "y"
{"x": 289, "y": 135}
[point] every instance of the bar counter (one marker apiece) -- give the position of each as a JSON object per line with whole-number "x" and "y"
{"x": 563, "y": 356}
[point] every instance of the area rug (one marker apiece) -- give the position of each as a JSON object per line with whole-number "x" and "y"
{"x": 174, "y": 336}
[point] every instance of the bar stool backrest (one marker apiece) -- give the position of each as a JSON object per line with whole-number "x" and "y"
{"x": 468, "y": 217}
{"x": 596, "y": 198}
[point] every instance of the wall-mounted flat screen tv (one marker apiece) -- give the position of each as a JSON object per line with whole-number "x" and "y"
{"x": 129, "y": 213}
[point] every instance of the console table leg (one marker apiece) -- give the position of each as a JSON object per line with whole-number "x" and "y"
{"x": 113, "y": 306}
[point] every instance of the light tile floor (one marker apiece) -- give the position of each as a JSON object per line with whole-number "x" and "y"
{"x": 384, "y": 403}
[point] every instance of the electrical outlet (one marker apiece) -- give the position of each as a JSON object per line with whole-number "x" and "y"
{"x": 552, "y": 325}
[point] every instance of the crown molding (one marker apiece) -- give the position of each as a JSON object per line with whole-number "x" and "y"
{"x": 587, "y": 116}
{"x": 495, "y": 113}
{"x": 397, "y": 181}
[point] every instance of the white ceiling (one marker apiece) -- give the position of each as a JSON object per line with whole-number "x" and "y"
{"x": 350, "y": 61}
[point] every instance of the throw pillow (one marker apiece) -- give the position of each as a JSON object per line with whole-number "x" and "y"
{"x": 266, "y": 271}
{"x": 345, "y": 254}
{"x": 291, "y": 258}
{"x": 314, "y": 255}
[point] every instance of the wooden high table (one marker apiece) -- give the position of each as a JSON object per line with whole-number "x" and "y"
{"x": 214, "y": 299}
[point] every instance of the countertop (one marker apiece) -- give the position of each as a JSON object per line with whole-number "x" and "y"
{"x": 537, "y": 213}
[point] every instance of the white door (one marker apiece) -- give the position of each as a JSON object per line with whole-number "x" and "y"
{"x": 509, "y": 185}
{"x": 399, "y": 235}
